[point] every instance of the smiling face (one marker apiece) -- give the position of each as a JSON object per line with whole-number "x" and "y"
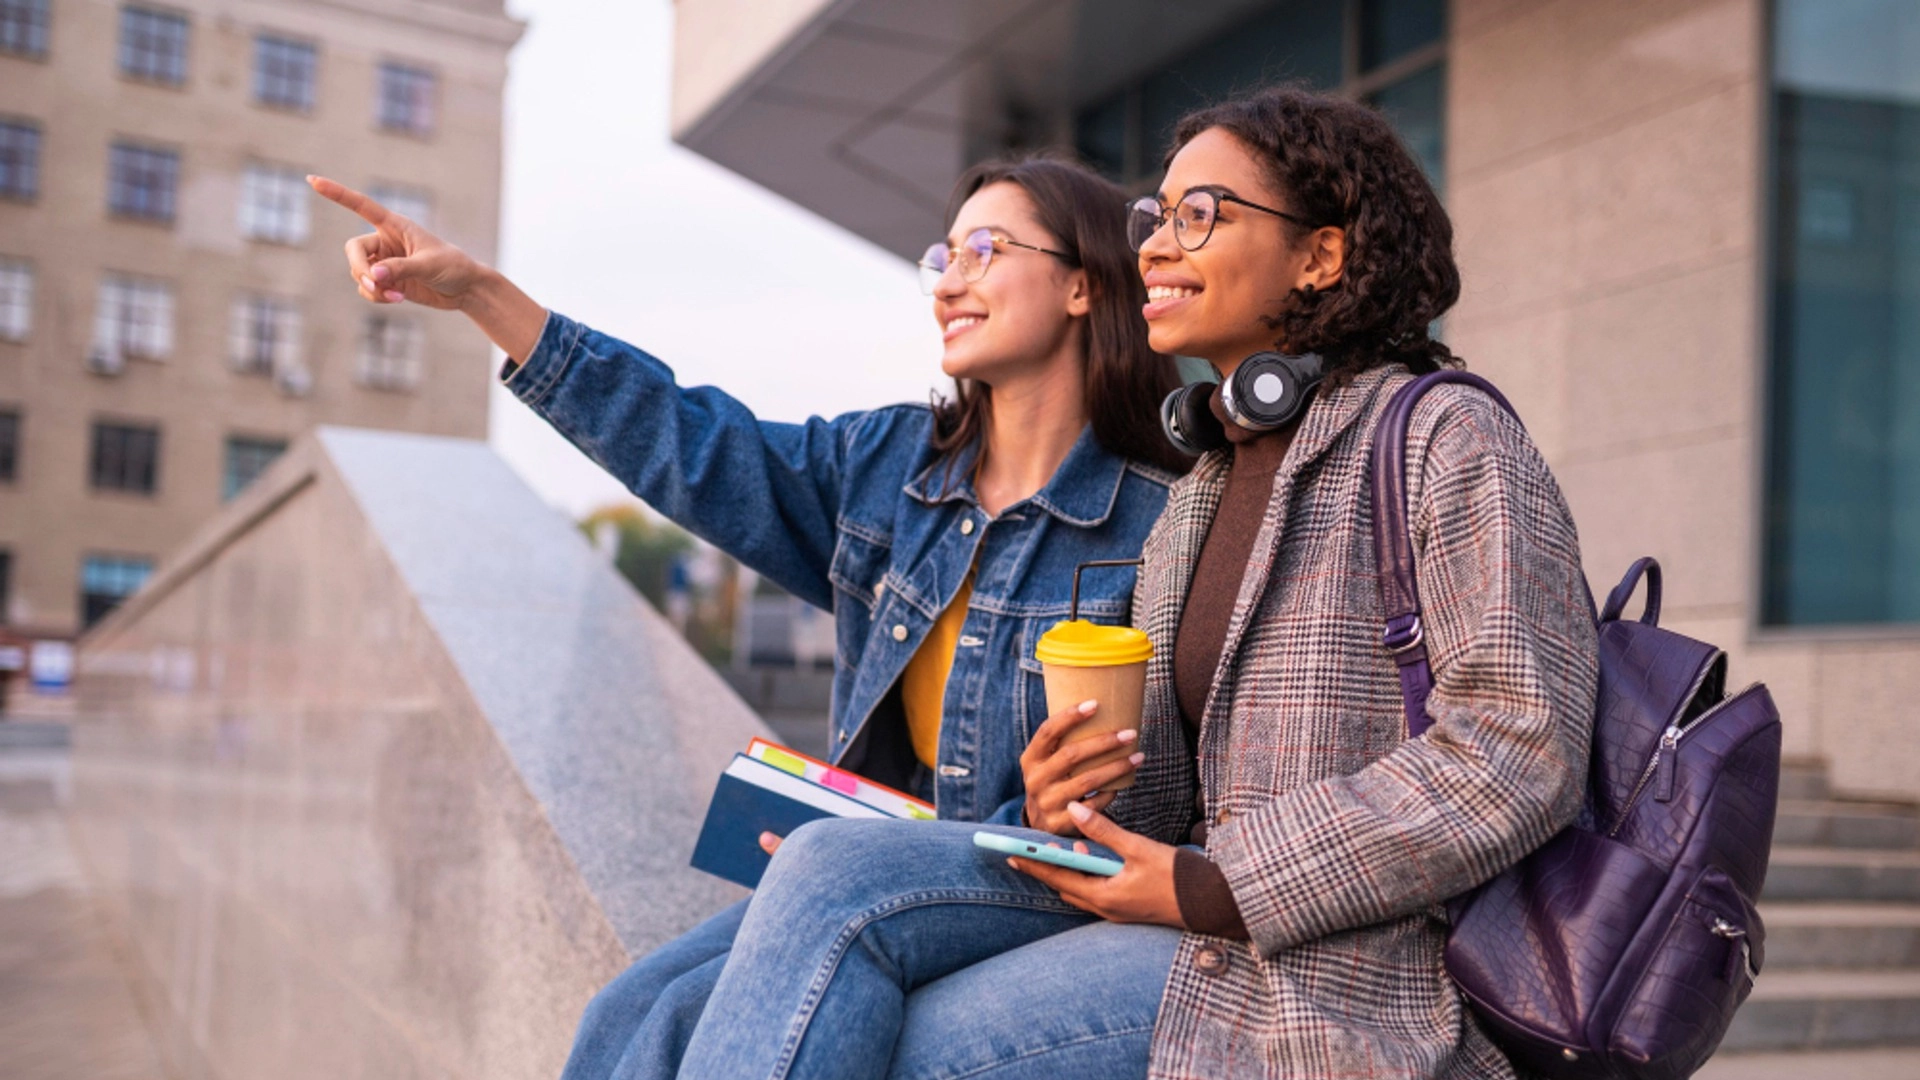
{"x": 1027, "y": 313}
{"x": 1214, "y": 303}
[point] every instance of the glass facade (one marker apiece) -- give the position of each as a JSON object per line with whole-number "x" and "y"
{"x": 1390, "y": 53}
{"x": 1842, "y": 497}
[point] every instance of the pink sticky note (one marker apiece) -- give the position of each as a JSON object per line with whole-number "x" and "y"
{"x": 841, "y": 782}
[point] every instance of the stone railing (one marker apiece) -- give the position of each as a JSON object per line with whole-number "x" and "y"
{"x": 386, "y": 772}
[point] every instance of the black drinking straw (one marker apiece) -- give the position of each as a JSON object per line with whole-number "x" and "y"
{"x": 1073, "y": 611}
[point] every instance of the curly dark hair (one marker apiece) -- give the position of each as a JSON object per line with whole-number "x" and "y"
{"x": 1340, "y": 163}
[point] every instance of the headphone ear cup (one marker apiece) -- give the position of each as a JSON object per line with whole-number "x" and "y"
{"x": 1189, "y": 423}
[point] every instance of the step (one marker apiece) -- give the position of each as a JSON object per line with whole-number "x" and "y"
{"x": 1825, "y": 1010}
{"x": 1839, "y": 823}
{"x": 1836, "y": 935}
{"x": 1893, "y": 1063}
{"x": 1830, "y": 873}
{"x": 1804, "y": 778}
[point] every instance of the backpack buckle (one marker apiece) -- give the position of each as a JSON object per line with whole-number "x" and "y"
{"x": 1399, "y": 639}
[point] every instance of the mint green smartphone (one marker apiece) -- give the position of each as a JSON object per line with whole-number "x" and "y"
{"x": 1058, "y": 856}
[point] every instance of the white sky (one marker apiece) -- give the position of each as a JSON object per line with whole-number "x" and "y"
{"x": 609, "y": 222}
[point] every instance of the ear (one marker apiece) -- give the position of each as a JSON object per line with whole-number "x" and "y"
{"x": 1326, "y": 258}
{"x": 1079, "y": 294}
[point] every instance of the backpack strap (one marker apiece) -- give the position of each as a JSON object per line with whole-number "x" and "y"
{"x": 1393, "y": 543}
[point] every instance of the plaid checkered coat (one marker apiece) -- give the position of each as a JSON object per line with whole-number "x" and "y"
{"x": 1340, "y": 837}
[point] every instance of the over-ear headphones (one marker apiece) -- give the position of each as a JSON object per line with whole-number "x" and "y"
{"x": 1265, "y": 392}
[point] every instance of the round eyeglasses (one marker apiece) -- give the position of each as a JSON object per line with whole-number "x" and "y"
{"x": 972, "y": 255}
{"x": 1193, "y": 217}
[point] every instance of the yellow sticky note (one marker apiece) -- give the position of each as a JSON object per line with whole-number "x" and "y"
{"x": 784, "y": 761}
{"x": 918, "y": 814}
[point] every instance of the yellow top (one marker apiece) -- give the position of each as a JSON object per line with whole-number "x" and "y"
{"x": 923, "y": 686}
{"x": 1080, "y": 643}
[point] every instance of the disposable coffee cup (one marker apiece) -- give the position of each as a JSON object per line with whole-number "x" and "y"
{"x": 1080, "y": 661}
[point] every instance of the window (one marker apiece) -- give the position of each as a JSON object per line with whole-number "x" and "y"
{"x": 283, "y": 73}
{"x": 412, "y": 203}
{"x": 1841, "y": 531}
{"x": 390, "y": 353}
{"x": 134, "y": 318}
{"x": 1390, "y": 53}
{"x": 406, "y": 99}
{"x": 23, "y": 32}
{"x": 107, "y": 580}
{"x": 141, "y": 181}
{"x": 9, "y": 445}
{"x": 19, "y": 160}
{"x": 153, "y": 45}
{"x": 6, "y": 585}
{"x": 265, "y": 335}
{"x": 126, "y": 458}
{"x": 246, "y": 459}
{"x": 16, "y": 299}
{"x": 273, "y": 205}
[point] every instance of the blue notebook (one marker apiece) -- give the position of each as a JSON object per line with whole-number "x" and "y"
{"x": 754, "y": 797}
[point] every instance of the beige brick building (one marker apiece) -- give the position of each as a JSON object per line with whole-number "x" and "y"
{"x": 1689, "y": 232}
{"x": 172, "y": 304}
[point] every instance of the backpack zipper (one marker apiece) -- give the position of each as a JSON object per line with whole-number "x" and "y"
{"x": 1667, "y": 751}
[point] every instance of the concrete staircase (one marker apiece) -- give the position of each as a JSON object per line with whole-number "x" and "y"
{"x": 1842, "y": 911}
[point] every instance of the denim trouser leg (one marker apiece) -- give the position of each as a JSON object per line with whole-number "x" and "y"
{"x": 851, "y": 917}
{"x": 660, "y": 995}
{"x": 1075, "y": 1006}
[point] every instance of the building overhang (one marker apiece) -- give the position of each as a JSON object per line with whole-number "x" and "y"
{"x": 865, "y": 111}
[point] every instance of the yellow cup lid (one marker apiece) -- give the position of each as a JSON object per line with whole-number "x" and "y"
{"x": 1079, "y": 643}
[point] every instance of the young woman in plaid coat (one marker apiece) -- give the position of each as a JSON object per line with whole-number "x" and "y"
{"x": 1288, "y": 850}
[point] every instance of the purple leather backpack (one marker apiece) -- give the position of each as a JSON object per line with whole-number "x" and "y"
{"x": 1622, "y": 946}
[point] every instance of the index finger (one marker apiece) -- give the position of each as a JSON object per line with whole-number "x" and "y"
{"x": 332, "y": 190}
{"x": 1049, "y": 733}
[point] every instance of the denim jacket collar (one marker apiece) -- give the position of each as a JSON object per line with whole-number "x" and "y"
{"x": 1081, "y": 492}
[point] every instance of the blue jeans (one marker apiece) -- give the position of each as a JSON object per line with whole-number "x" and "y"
{"x": 637, "y": 1027}
{"x": 879, "y": 949}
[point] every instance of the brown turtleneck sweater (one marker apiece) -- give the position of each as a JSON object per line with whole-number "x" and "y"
{"x": 1206, "y": 902}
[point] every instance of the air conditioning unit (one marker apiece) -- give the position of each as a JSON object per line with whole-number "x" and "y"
{"x": 294, "y": 380}
{"x": 106, "y": 360}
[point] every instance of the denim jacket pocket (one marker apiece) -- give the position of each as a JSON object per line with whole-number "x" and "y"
{"x": 859, "y": 567}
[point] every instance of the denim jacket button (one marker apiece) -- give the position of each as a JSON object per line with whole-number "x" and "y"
{"x": 966, "y": 527}
{"x": 1210, "y": 960}
{"x": 899, "y": 633}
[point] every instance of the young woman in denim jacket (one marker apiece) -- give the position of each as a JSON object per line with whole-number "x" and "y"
{"x": 942, "y": 538}
{"x": 1287, "y": 848}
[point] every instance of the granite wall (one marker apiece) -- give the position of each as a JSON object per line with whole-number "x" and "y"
{"x": 386, "y": 773}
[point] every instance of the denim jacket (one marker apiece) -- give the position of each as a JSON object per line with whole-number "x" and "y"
{"x": 857, "y": 516}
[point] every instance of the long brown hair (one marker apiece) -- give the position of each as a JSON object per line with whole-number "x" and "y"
{"x": 1341, "y": 163}
{"x": 1125, "y": 379}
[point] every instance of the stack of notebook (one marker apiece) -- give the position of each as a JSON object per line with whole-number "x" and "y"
{"x": 773, "y": 789}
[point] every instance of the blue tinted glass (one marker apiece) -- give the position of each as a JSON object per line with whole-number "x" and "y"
{"x": 1100, "y": 136}
{"x": 1390, "y": 29}
{"x": 1842, "y": 526}
{"x": 1416, "y": 106}
{"x": 1295, "y": 41}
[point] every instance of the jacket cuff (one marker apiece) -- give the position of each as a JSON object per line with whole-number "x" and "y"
{"x": 531, "y": 380}
{"x": 1207, "y": 905}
